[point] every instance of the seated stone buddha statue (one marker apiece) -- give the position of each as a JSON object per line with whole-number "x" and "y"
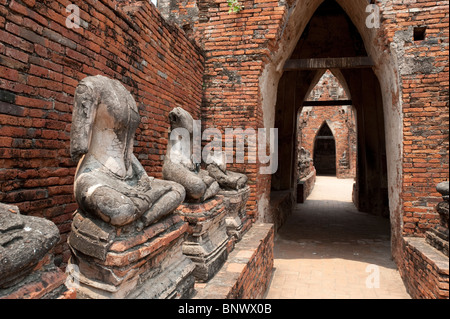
{"x": 178, "y": 164}
{"x": 110, "y": 183}
{"x": 217, "y": 168}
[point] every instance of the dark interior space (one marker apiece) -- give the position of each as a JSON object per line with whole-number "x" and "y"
{"x": 325, "y": 151}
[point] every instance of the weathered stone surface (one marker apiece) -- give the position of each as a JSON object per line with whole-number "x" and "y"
{"x": 124, "y": 235}
{"x": 442, "y": 208}
{"x": 236, "y": 203}
{"x": 234, "y": 189}
{"x": 304, "y": 163}
{"x": 227, "y": 179}
{"x": 207, "y": 242}
{"x": 217, "y": 169}
{"x": 110, "y": 183}
{"x": 443, "y": 188}
{"x": 27, "y": 270}
{"x": 92, "y": 237}
{"x": 24, "y": 241}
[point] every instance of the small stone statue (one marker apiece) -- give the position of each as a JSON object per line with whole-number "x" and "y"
{"x": 343, "y": 161}
{"x": 110, "y": 183}
{"x": 228, "y": 180}
{"x": 178, "y": 164}
{"x": 304, "y": 163}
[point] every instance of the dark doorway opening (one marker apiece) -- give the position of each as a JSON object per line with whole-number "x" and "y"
{"x": 325, "y": 151}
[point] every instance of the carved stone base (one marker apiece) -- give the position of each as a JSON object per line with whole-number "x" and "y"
{"x": 111, "y": 263}
{"x": 207, "y": 242}
{"x": 236, "y": 202}
{"x": 305, "y": 186}
{"x": 45, "y": 281}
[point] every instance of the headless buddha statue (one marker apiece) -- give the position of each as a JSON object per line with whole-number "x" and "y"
{"x": 110, "y": 183}
{"x": 217, "y": 169}
{"x": 178, "y": 164}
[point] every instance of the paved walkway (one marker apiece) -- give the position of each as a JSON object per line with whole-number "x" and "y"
{"x": 329, "y": 250}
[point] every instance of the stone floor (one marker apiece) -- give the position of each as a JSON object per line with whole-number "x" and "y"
{"x": 329, "y": 250}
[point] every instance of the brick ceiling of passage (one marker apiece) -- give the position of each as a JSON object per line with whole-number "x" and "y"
{"x": 329, "y": 34}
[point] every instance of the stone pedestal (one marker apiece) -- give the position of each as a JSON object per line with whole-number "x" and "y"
{"x": 305, "y": 186}
{"x": 248, "y": 270}
{"x": 112, "y": 262}
{"x": 236, "y": 202}
{"x": 208, "y": 238}
{"x": 27, "y": 270}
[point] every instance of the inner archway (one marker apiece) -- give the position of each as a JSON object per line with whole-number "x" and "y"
{"x": 334, "y": 38}
{"x": 330, "y": 41}
{"x": 324, "y": 158}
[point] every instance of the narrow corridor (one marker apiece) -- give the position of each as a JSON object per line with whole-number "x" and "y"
{"x": 329, "y": 250}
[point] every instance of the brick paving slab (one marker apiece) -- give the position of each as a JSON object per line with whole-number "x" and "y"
{"x": 329, "y": 250}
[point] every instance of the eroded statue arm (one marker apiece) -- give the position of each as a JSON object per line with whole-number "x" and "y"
{"x": 144, "y": 181}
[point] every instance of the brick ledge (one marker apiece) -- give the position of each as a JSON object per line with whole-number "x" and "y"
{"x": 246, "y": 273}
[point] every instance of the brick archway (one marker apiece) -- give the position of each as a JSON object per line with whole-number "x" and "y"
{"x": 384, "y": 71}
{"x": 318, "y": 47}
{"x": 245, "y": 56}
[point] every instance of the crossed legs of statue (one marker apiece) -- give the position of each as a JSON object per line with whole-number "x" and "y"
{"x": 199, "y": 186}
{"x": 168, "y": 202}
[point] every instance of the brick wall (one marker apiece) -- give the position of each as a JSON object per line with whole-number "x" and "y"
{"x": 237, "y": 46}
{"x": 335, "y": 116}
{"x": 424, "y": 78}
{"x": 41, "y": 62}
{"x": 424, "y": 270}
{"x": 423, "y": 74}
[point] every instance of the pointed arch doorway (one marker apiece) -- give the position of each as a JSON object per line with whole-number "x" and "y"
{"x": 330, "y": 41}
{"x": 324, "y": 157}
